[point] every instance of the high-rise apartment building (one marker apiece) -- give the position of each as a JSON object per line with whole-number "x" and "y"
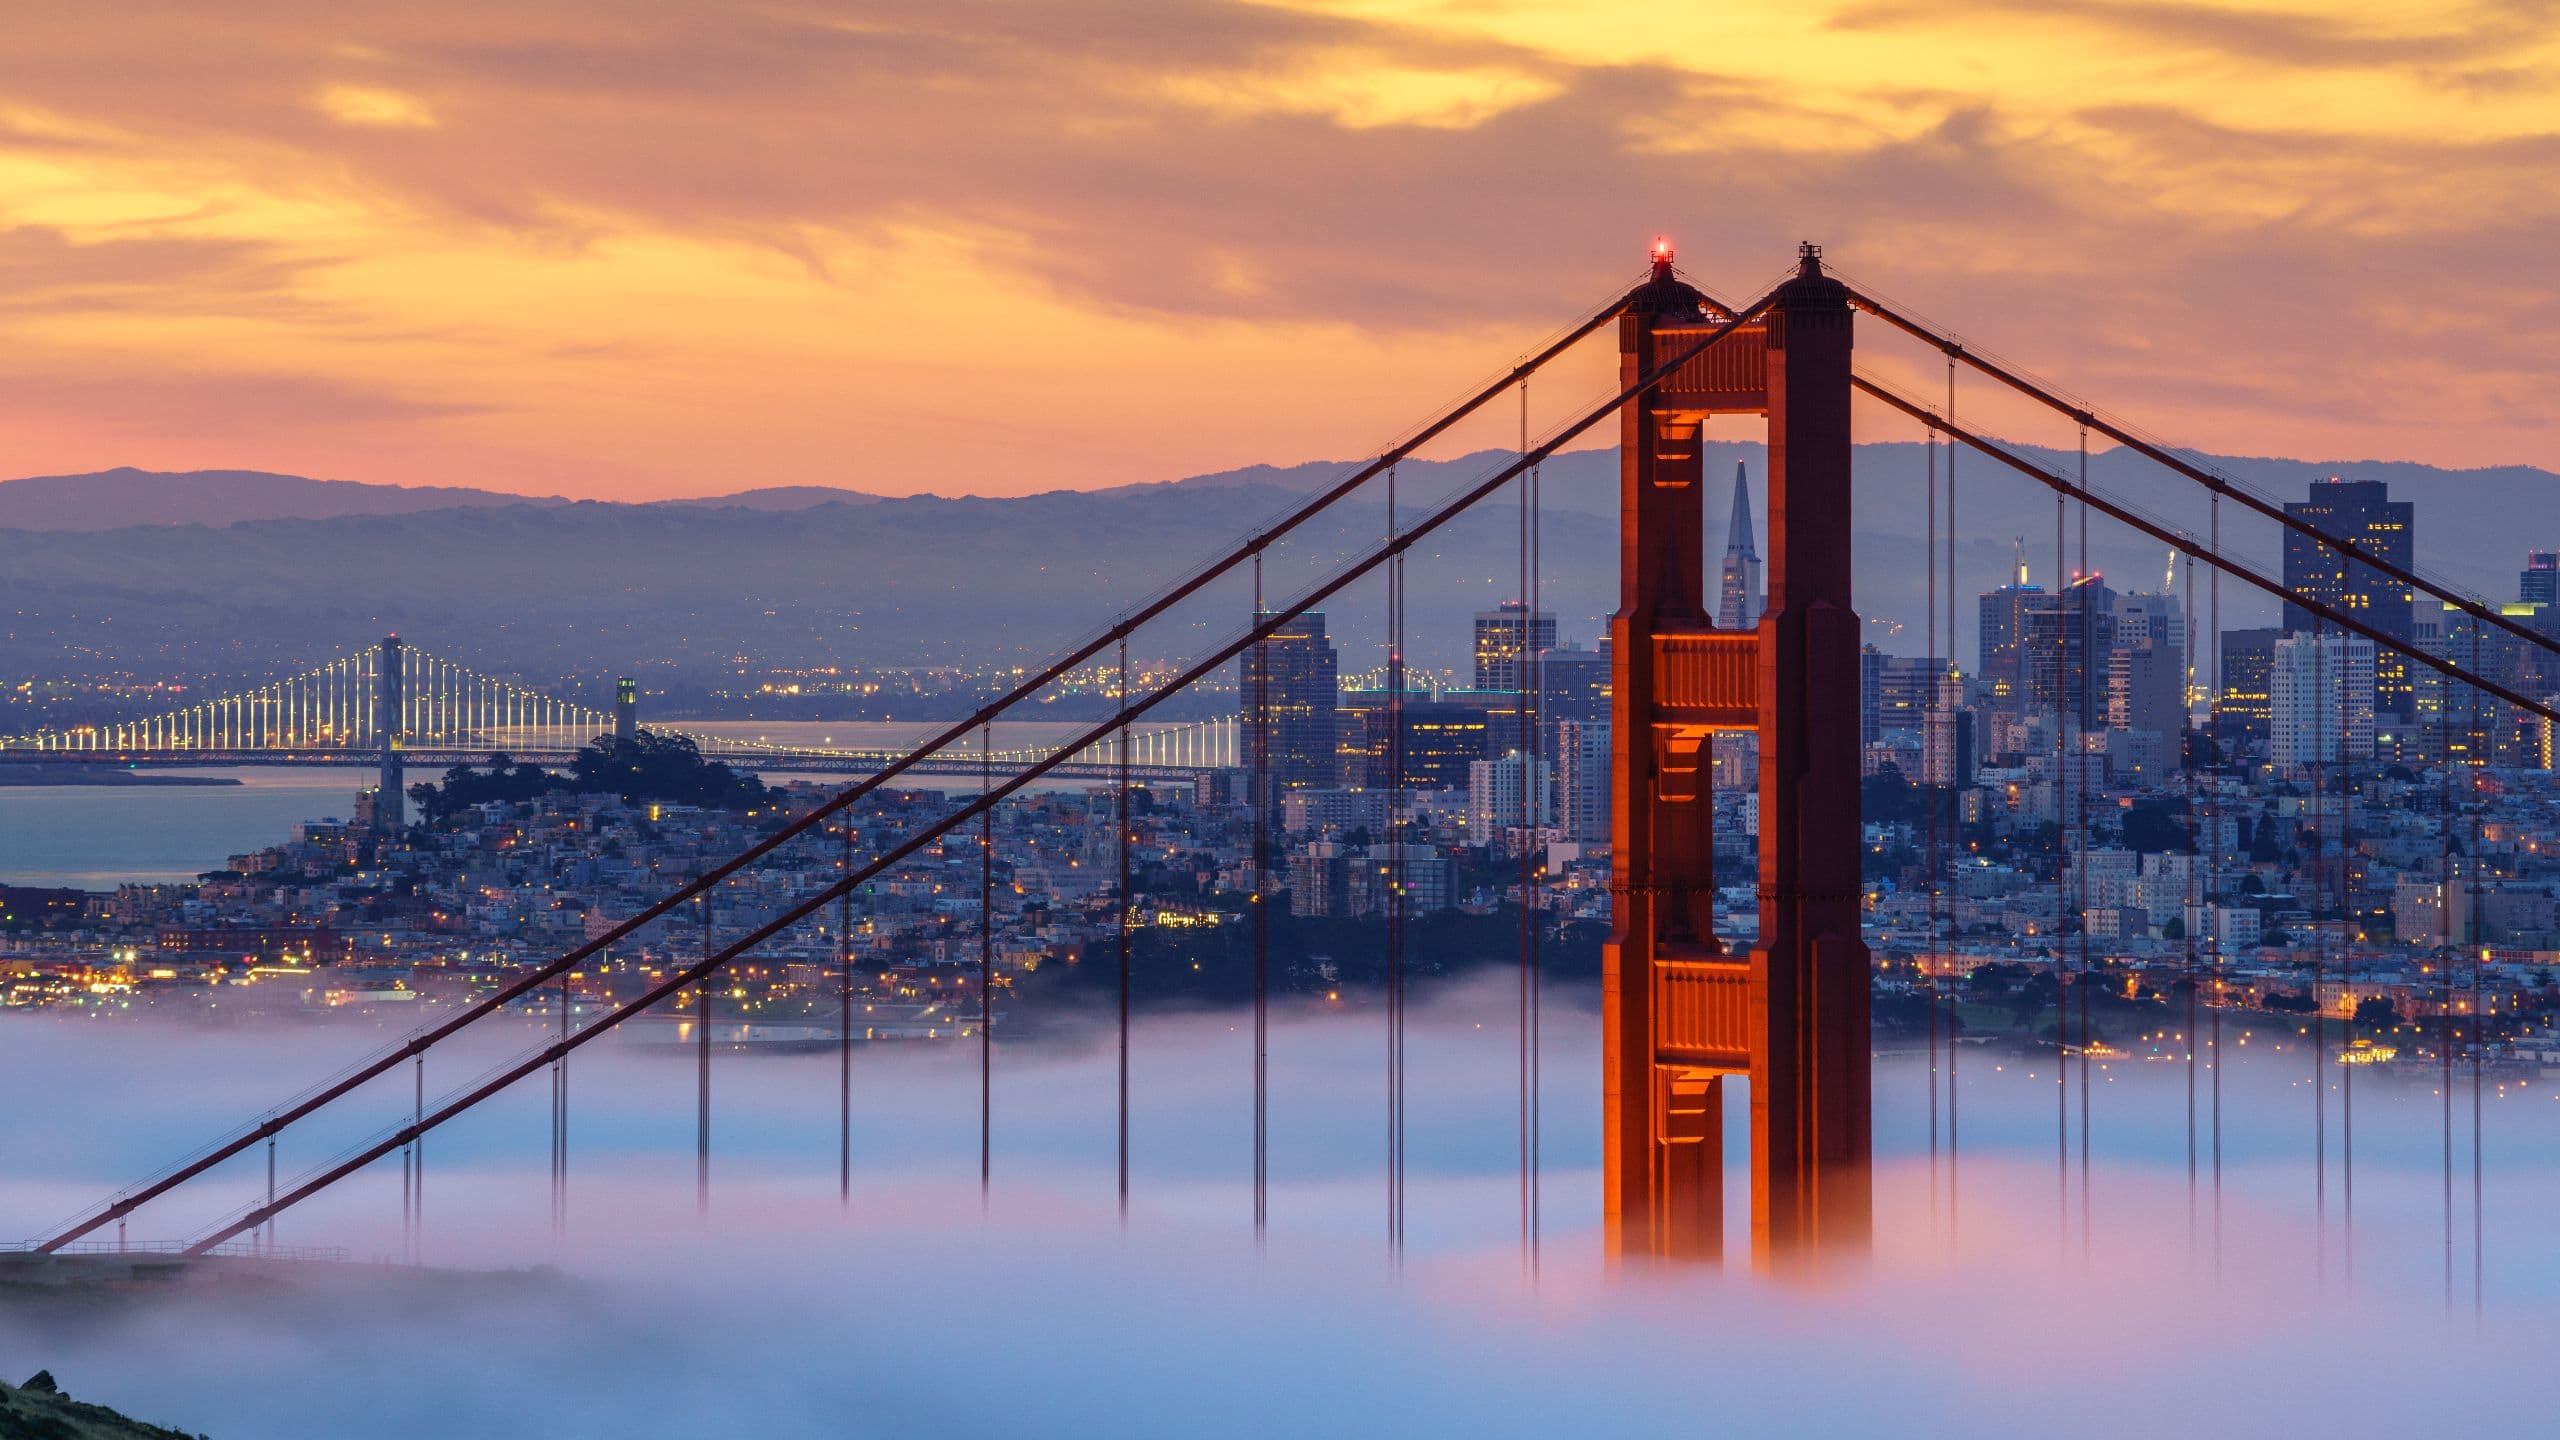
{"x": 1582, "y": 781}
{"x": 2320, "y": 706}
{"x": 1289, "y": 681}
{"x": 2362, "y": 514}
{"x": 1506, "y": 793}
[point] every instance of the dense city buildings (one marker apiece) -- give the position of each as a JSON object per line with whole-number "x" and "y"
{"x": 2100, "y": 778}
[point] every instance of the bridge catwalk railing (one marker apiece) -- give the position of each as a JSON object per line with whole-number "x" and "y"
{"x": 1118, "y": 632}
{"x": 1267, "y": 622}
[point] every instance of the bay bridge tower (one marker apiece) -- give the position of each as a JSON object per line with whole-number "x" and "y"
{"x": 390, "y": 801}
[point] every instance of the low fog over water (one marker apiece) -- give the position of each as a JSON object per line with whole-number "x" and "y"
{"x": 918, "y": 1309}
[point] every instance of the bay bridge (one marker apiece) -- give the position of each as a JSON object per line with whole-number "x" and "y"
{"x": 1785, "y": 1012}
{"x": 396, "y": 705}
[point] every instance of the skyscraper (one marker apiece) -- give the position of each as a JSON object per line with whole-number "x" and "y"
{"x": 1501, "y": 636}
{"x": 2540, "y": 581}
{"x": 2003, "y": 617}
{"x": 2363, "y": 514}
{"x": 2320, "y": 700}
{"x": 2248, "y": 659}
{"x": 1738, "y": 595}
{"x": 1293, "y": 676}
{"x": 2062, "y": 651}
{"x": 1582, "y": 780}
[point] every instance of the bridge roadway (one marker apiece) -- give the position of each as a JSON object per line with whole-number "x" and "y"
{"x": 435, "y": 758}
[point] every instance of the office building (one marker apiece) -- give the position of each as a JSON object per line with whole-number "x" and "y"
{"x": 2362, "y": 514}
{"x": 1502, "y": 635}
{"x": 2248, "y": 657}
{"x": 2001, "y": 617}
{"x": 1289, "y": 682}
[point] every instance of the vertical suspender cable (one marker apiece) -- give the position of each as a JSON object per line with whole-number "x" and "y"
{"x": 418, "y": 1148}
{"x": 1527, "y": 757}
{"x": 1262, "y": 797}
{"x": 1954, "y": 1050}
{"x": 2187, "y": 760}
{"x": 2477, "y": 743}
{"x": 2080, "y": 792}
{"x": 844, "y": 1027}
{"x": 2346, "y": 989}
{"x": 2444, "y": 972}
{"x": 1930, "y": 847}
{"x": 2319, "y": 942}
{"x": 1534, "y": 693}
{"x": 986, "y": 964}
{"x": 1396, "y": 884}
{"x": 2213, "y": 874}
{"x": 702, "y": 1073}
{"x": 2065, "y": 594}
{"x": 1127, "y": 902}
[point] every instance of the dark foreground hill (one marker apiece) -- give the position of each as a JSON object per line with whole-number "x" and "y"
{"x": 38, "y": 1410}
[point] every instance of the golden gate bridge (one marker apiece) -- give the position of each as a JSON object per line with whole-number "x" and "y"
{"x": 1684, "y": 1009}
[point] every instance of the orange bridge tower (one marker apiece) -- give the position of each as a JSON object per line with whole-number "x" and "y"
{"x": 1680, "y": 1009}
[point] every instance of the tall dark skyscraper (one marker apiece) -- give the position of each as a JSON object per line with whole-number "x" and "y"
{"x": 1295, "y": 670}
{"x": 2062, "y": 653}
{"x": 2003, "y": 623}
{"x": 1738, "y": 584}
{"x": 2540, "y": 581}
{"x": 2363, "y": 514}
{"x": 2248, "y": 669}
{"x": 1500, "y": 639}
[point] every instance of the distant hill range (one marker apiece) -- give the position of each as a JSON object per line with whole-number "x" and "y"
{"x": 237, "y": 572}
{"x": 124, "y": 496}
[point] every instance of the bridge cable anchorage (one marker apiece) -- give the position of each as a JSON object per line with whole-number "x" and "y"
{"x": 1030, "y": 685}
{"x": 1448, "y": 510}
{"x": 2219, "y": 484}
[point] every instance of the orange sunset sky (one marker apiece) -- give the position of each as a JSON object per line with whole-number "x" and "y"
{"x": 629, "y": 250}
